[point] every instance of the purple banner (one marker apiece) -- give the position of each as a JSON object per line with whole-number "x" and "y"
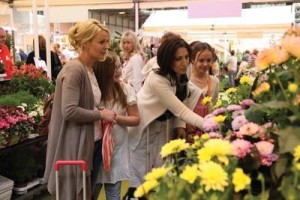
{"x": 215, "y": 9}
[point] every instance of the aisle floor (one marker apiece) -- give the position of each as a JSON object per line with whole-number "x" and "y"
{"x": 46, "y": 196}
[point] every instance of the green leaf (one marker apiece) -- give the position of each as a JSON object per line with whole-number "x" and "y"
{"x": 289, "y": 139}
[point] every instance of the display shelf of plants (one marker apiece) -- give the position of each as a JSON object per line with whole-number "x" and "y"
{"x": 22, "y": 99}
{"x": 250, "y": 147}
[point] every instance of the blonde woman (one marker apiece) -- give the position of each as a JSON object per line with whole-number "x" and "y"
{"x": 133, "y": 60}
{"x": 75, "y": 117}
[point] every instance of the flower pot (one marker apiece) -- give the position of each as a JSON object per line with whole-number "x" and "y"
{"x": 5, "y": 141}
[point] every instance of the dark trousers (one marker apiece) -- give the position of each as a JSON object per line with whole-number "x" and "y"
{"x": 97, "y": 159}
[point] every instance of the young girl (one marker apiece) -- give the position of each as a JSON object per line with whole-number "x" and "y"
{"x": 203, "y": 57}
{"x": 121, "y": 98}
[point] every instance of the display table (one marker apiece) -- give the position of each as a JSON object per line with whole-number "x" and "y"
{"x": 24, "y": 163}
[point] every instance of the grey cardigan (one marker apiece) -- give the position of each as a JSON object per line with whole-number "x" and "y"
{"x": 71, "y": 130}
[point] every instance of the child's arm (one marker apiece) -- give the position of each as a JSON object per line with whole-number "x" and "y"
{"x": 131, "y": 119}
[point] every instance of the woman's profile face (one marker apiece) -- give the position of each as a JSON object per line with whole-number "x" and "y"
{"x": 181, "y": 61}
{"x": 203, "y": 61}
{"x": 98, "y": 47}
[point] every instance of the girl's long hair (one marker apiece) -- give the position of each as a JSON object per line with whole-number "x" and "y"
{"x": 110, "y": 90}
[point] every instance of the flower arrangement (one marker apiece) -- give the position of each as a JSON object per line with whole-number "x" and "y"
{"x": 32, "y": 79}
{"x": 15, "y": 122}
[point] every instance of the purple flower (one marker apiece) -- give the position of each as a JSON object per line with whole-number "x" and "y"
{"x": 238, "y": 113}
{"x": 238, "y": 122}
{"x": 210, "y": 124}
{"x": 233, "y": 107}
{"x": 246, "y": 103}
{"x": 219, "y": 111}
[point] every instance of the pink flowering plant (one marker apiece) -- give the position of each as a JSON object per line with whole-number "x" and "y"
{"x": 14, "y": 121}
{"x": 31, "y": 79}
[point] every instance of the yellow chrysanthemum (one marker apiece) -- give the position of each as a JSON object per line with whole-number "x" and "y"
{"x": 219, "y": 148}
{"x": 204, "y": 154}
{"x": 298, "y": 166}
{"x": 190, "y": 173}
{"x": 293, "y": 87}
{"x": 206, "y": 100}
{"x": 174, "y": 146}
{"x": 204, "y": 136}
{"x": 220, "y": 118}
{"x": 230, "y": 90}
{"x": 145, "y": 188}
{"x": 263, "y": 87}
{"x": 157, "y": 173}
{"x": 213, "y": 176}
{"x": 218, "y": 104}
{"x": 246, "y": 80}
{"x": 297, "y": 153}
{"x": 240, "y": 180}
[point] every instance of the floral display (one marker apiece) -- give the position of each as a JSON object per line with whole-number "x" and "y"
{"x": 32, "y": 79}
{"x": 15, "y": 122}
{"x": 250, "y": 148}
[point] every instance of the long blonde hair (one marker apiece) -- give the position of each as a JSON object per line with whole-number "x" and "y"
{"x": 131, "y": 36}
{"x": 83, "y": 32}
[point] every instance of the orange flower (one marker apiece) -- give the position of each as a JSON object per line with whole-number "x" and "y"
{"x": 280, "y": 55}
{"x": 263, "y": 59}
{"x": 263, "y": 87}
{"x": 291, "y": 43}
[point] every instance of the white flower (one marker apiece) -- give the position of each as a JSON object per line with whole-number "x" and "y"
{"x": 24, "y": 105}
{"x": 33, "y": 114}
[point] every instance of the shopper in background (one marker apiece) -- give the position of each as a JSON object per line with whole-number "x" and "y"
{"x": 55, "y": 61}
{"x": 76, "y": 113}
{"x": 133, "y": 60}
{"x": 121, "y": 98}
{"x": 56, "y": 48}
{"x": 152, "y": 63}
{"x": 231, "y": 67}
{"x": 160, "y": 102}
{"x": 23, "y": 55}
{"x": 5, "y": 54}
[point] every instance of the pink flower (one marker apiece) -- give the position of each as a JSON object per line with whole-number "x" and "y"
{"x": 215, "y": 135}
{"x": 241, "y": 148}
{"x": 264, "y": 148}
{"x": 249, "y": 129}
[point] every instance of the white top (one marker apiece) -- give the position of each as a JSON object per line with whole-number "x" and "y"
{"x": 232, "y": 64}
{"x": 120, "y": 158}
{"x": 156, "y": 96}
{"x": 97, "y": 97}
{"x": 132, "y": 71}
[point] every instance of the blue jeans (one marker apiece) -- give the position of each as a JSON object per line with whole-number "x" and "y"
{"x": 231, "y": 76}
{"x": 97, "y": 159}
{"x": 112, "y": 190}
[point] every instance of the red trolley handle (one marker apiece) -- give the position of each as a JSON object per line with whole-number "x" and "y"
{"x": 70, "y": 162}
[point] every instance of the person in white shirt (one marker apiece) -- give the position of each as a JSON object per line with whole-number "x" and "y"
{"x": 133, "y": 57}
{"x": 232, "y": 67}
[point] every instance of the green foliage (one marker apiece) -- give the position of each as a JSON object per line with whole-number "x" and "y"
{"x": 16, "y": 99}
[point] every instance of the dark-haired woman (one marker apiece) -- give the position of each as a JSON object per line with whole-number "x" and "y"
{"x": 161, "y": 104}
